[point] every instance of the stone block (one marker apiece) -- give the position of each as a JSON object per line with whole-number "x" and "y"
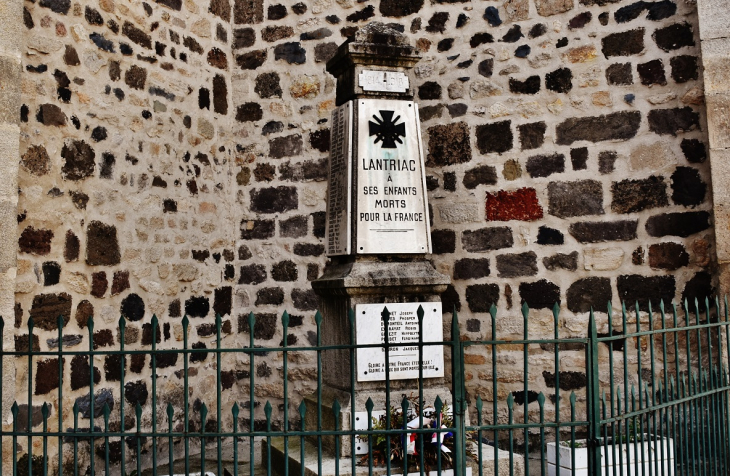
{"x": 481, "y": 297}
{"x": 588, "y": 294}
{"x": 495, "y": 137}
{"x": 487, "y": 239}
{"x": 682, "y": 224}
{"x": 603, "y": 259}
{"x": 521, "y": 204}
{"x": 517, "y": 265}
{"x": 630, "y": 196}
{"x": 672, "y": 121}
{"x": 540, "y": 294}
{"x": 668, "y": 256}
{"x": 625, "y": 43}
{"x": 596, "y": 232}
{"x": 546, "y": 8}
{"x": 448, "y": 144}
{"x": 580, "y": 198}
{"x": 636, "y": 288}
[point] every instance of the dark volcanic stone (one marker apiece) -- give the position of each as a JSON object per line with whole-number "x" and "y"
{"x": 71, "y": 247}
{"x": 221, "y": 8}
{"x": 286, "y": 146}
{"x": 549, "y": 236}
{"x": 248, "y": 11}
{"x": 569, "y": 380}
{"x": 486, "y": 67}
{"x": 603, "y": 18}
{"x": 323, "y": 52}
{"x": 51, "y": 115}
{"x": 532, "y": 135}
{"x": 58, "y": 6}
{"x": 456, "y": 110}
{"x": 284, "y": 271}
{"x": 579, "y": 158}
{"x": 491, "y": 14}
{"x": 694, "y": 150}
{"x": 671, "y": 121}
{"x": 469, "y": 268}
{"x": 102, "y": 43}
{"x": 274, "y": 199}
{"x": 46, "y": 377}
{"x": 37, "y": 242}
{"x": 252, "y": 59}
{"x": 320, "y": 140}
{"x": 480, "y": 39}
{"x": 561, "y": 261}
{"x": 308, "y": 249}
{"x": 606, "y": 161}
{"x": 120, "y": 282}
{"x": 305, "y": 299}
{"x": 292, "y": 53}
{"x": 257, "y": 229}
{"x": 487, "y": 239}
{"x": 516, "y": 265}
{"x": 661, "y": 10}
{"x": 70, "y": 56}
{"x": 629, "y": 12}
{"x": 249, "y": 112}
{"x": 318, "y": 34}
{"x": 496, "y": 137}
{"x": 596, "y": 232}
{"x": 635, "y": 288}
{"x": 102, "y": 247}
{"x": 84, "y": 311}
{"x": 429, "y": 112}
{"x": 625, "y": 43}
{"x": 135, "y": 77}
{"x": 684, "y": 68}
{"x": 630, "y": 196}
{"x": 674, "y": 36}
{"x": 81, "y": 372}
{"x": 615, "y": 126}
{"x": 294, "y": 227}
{"x": 529, "y": 86}
{"x": 36, "y": 160}
{"x": 51, "y": 273}
{"x": 589, "y": 293}
{"x": 570, "y": 199}
{"x": 99, "y": 134}
{"x": 132, "y": 307}
{"x": 437, "y": 22}
{"x": 652, "y": 72}
{"x": 272, "y": 296}
{"x": 482, "y": 175}
{"x": 513, "y": 34}
{"x": 136, "y": 393}
{"x": 197, "y": 306}
{"x": 540, "y": 295}
{"x": 538, "y": 30}
{"x": 267, "y": 85}
{"x": 443, "y": 241}
{"x": 481, "y": 297}
{"x": 448, "y": 144}
{"x": 243, "y": 38}
{"x": 521, "y": 204}
{"x": 699, "y": 287}
{"x": 99, "y": 284}
{"x": 545, "y": 165}
{"x": 669, "y": 256}
{"x": 688, "y": 189}
{"x": 101, "y": 398}
{"x": 364, "y": 14}
{"x": 220, "y": 95}
{"x": 678, "y": 224}
{"x": 619, "y": 74}
{"x": 136, "y": 35}
{"x": 580, "y": 20}
{"x": 78, "y": 160}
{"x": 429, "y": 90}
{"x": 560, "y": 80}
{"x": 275, "y": 33}
{"x": 47, "y": 307}
{"x": 252, "y": 274}
{"x": 264, "y": 326}
{"x": 276, "y": 12}
{"x": 272, "y": 127}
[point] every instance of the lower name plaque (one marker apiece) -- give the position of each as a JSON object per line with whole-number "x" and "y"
{"x": 402, "y": 329}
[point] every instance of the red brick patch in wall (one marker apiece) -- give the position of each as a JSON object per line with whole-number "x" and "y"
{"x": 520, "y": 204}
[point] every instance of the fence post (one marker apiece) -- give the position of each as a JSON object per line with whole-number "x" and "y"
{"x": 459, "y": 395}
{"x": 593, "y": 399}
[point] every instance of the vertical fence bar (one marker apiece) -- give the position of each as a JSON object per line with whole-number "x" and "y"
{"x": 302, "y": 419}
{"x": 234, "y": 413}
{"x": 44, "y": 413}
{"x": 572, "y": 433}
{"x": 611, "y": 385}
{"x": 203, "y": 420}
{"x": 369, "y": 407}
{"x": 251, "y": 395}
{"x": 459, "y": 396}
{"x": 76, "y": 439}
{"x": 353, "y": 460}
{"x": 186, "y": 405}
{"x": 219, "y": 388}
{"x": 170, "y": 448}
{"x": 59, "y": 324}
{"x": 285, "y": 327}
{"x": 155, "y": 327}
{"x": 13, "y": 450}
{"x": 318, "y": 322}
{"x": 404, "y": 435}
{"x": 541, "y": 405}
{"x": 422, "y": 436}
{"x": 479, "y": 406}
{"x": 30, "y": 396}
{"x": 2, "y": 359}
{"x": 525, "y": 380}
{"x": 267, "y": 414}
{"x": 386, "y": 318}
{"x": 510, "y": 420}
{"x": 594, "y": 402}
{"x": 107, "y": 412}
{"x": 556, "y": 353}
{"x": 138, "y": 438}
{"x": 336, "y": 412}
{"x": 493, "y": 316}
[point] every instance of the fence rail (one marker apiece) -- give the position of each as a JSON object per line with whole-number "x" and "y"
{"x": 655, "y": 382}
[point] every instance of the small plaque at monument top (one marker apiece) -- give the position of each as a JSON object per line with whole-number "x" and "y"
{"x": 403, "y": 328}
{"x": 384, "y": 81}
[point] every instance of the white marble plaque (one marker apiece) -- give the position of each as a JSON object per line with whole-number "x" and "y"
{"x": 392, "y": 208}
{"x": 402, "y": 329}
{"x": 385, "y": 81}
{"x": 339, "y": 197}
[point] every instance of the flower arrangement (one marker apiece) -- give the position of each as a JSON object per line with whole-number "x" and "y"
{"x": 410, "y": 444}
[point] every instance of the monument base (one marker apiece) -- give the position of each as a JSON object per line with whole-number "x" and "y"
{"x": 278, "y": 455}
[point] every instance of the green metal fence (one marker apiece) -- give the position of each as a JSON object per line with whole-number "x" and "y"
{"x": 648, "y": 396}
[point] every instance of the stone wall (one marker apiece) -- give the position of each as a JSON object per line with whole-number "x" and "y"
{"x": 173, "y": 161}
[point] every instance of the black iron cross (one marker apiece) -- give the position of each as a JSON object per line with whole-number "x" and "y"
{"x": 386, "y": 130}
